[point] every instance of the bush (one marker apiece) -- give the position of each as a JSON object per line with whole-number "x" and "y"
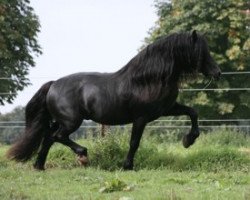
{"x": 109, "y": 152}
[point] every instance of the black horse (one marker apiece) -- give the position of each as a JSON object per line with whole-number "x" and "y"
{"x": 140, "y": 92}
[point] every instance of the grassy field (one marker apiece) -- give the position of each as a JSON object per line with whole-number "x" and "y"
{"x": 216, "y": 167}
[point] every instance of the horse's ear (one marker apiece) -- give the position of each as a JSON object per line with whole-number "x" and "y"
{"x": 194, "y": 36}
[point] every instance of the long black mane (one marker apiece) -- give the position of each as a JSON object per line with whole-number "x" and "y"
{"x": 165, "y": 61}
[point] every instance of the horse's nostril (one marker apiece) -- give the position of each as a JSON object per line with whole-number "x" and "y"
{"x": 217, "y": 77}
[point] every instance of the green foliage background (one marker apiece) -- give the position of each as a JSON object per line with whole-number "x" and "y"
{"x": 18, "y": 44}
{"x": 225, "y": 23}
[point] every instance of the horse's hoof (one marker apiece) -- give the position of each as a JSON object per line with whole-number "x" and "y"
{"x": 188, "y": 140}
{"x": 128, "y": 166}
{"x": 38, "y": 167}
{"x": 83, "y": 160}
{"x": 185, "y": 141}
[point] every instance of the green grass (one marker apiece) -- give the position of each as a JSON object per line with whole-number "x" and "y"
{"x": 216, "y": 167}
{"x": 78, "y": 183}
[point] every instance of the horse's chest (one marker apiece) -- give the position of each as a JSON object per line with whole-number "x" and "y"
{"x": 160, "y": 106}
{"x": 156, "y": 107}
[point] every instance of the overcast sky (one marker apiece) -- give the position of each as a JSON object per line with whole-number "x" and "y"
{"x": 86, "y": 35}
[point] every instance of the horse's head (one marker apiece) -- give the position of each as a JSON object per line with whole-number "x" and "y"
{"x": 205, "y": 63}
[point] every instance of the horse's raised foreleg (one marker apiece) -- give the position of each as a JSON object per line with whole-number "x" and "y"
{"x": 137, "y": 130}
{"x": 179, "y": 109}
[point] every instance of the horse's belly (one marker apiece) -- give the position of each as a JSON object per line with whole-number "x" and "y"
{"x": 100, "y": 107}
{"x": 112, "y": 121}
{"x": 110, "y": 115}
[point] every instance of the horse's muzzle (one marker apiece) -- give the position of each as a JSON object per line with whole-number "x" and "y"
{"x": 217, "y": 75}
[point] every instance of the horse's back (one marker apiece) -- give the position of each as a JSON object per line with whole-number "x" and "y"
{"x": 65, "y": 95}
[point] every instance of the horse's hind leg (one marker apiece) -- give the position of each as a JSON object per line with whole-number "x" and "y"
{"x": 62, "y": 136}
{"x": 47, "y": 142}
{"x": 43, "y": 152}
{"x": 179, "y": 109}
{"x": 76, "y": 148}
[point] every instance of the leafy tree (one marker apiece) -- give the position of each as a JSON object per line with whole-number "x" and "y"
{"x": 226, "y": 26}
{"x": 18, "y": 44}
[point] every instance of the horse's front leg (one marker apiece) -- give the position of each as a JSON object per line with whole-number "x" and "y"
{"x": 137, "y": 130}
{"x": 178, "y": 110}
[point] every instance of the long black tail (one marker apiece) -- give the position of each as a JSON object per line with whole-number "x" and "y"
{"x": 37, "y": 124}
